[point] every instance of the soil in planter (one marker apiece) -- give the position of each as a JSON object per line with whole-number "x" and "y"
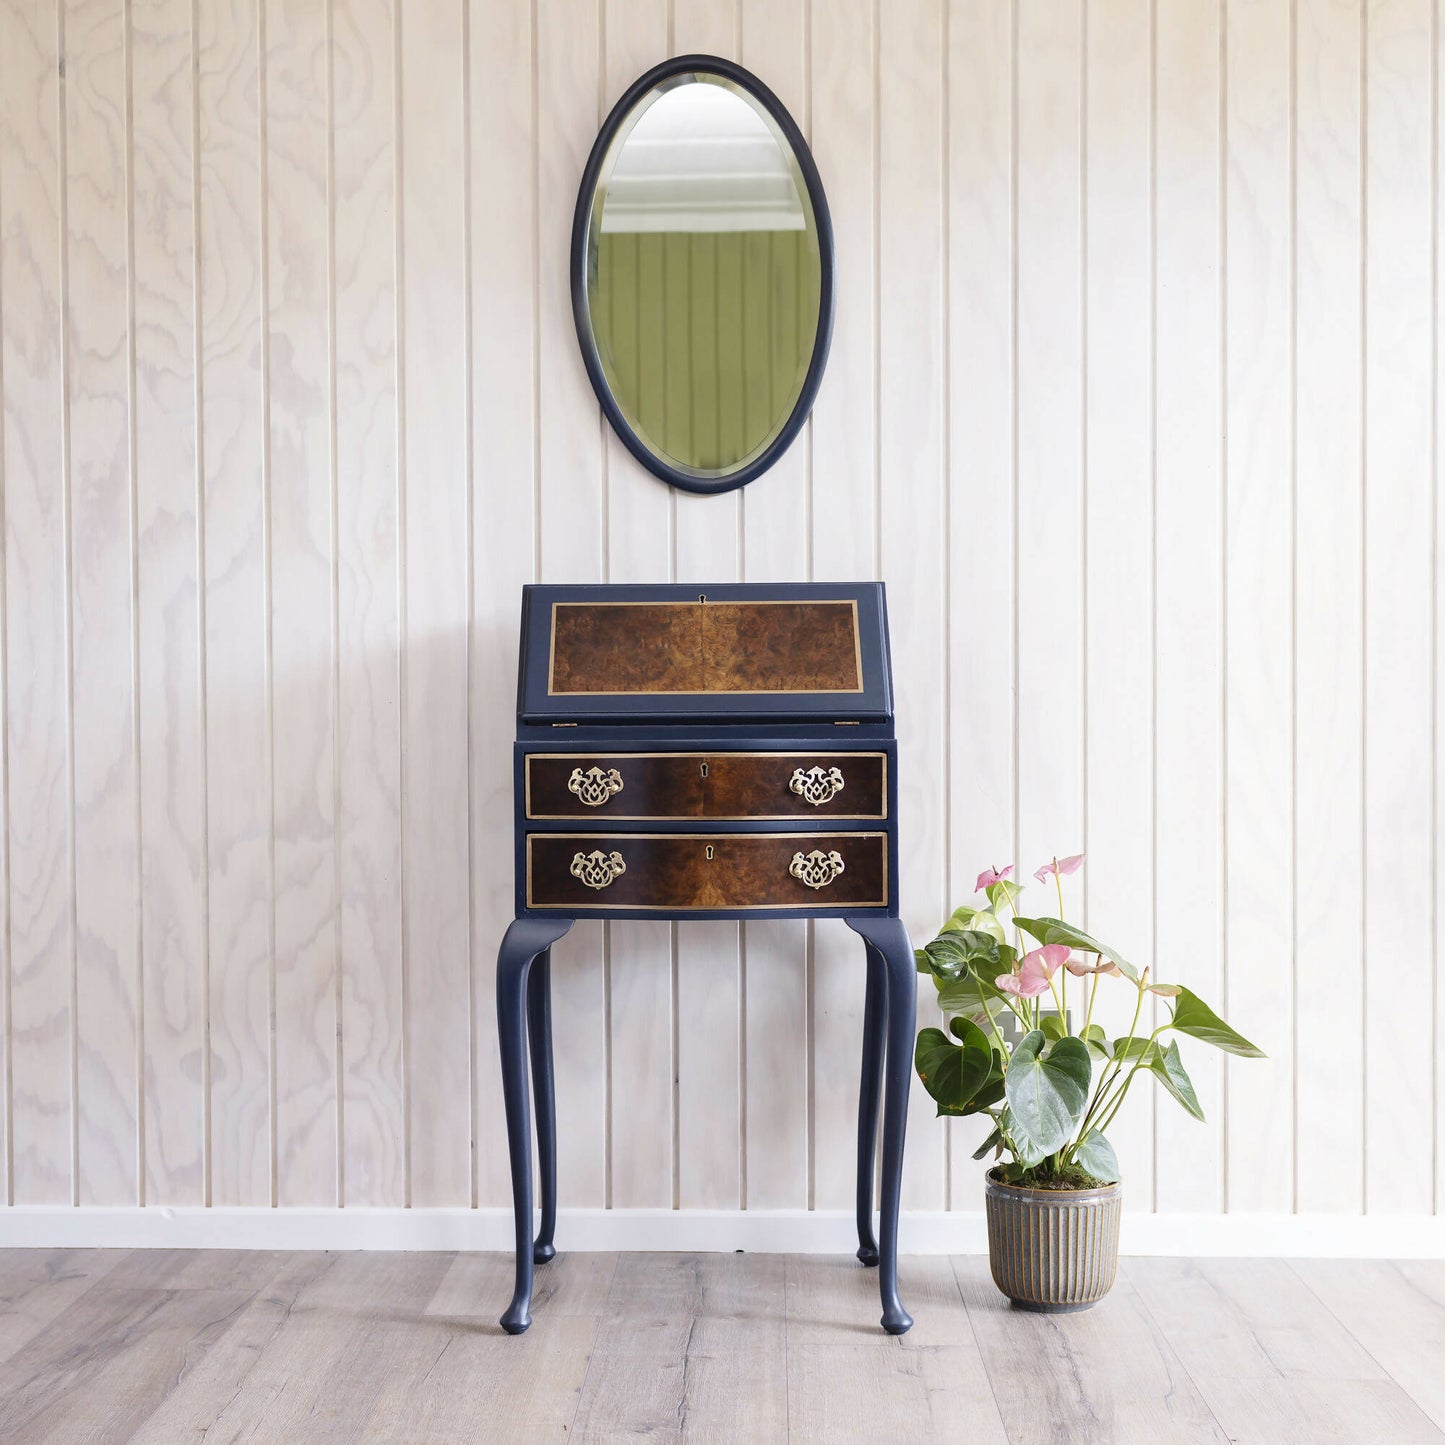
{"x": 1064, "y": 1179}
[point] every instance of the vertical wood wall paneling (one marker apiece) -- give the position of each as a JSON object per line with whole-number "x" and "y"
{"x": 435, "y": 564}
{"x": 1119, "y": 529}
{"x": 1329, "y": 825}
{"x": 41, "y": 945}
{"x": 845, "y": 512}
{"x": 168, "y": 495}
{"x": 238, "y": 594}
{"x": 640, "y": 955}
{"x": 911, "y": 446}
{"x": 710, "y": 966}
{"x": 504, "y": 504}
{"x": 775, "y": 549}
{"x": 1188, "y": 568}
{"x": 1051, "y": 711}
{"x": 1259, "y": 833}
{"x": 368, "y": 735}
{"x": 174, "y": 880}
{"x": 1399, "y": 271}
{"x": 298, "y": 318}
{"x": 573, "y": 520}
{"x": 1438, "y": 698}
{"x": 981, "y": 476}
{"x": 98, "y": 440}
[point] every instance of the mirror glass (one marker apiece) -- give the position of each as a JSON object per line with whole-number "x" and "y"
{"x": 704, "y": 281}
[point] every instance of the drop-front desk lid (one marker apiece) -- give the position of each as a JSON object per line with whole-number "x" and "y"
{"x": 801, "y": 652}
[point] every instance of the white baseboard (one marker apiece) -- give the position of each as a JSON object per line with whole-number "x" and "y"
{"x": 695, "y": 1231}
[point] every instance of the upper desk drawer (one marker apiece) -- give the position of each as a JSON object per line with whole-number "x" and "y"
{"x": 721, "y": 786}
{"x": 810, "y": 651}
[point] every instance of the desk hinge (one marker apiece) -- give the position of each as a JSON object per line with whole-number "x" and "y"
{"x": 564, "y": 725}
{"x": 851, "y": 723}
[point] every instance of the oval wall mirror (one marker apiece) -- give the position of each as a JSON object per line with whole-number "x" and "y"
{"x": 702, "y": 273}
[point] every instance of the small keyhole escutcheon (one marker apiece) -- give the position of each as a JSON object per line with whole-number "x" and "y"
{"x": 709, "y": 853}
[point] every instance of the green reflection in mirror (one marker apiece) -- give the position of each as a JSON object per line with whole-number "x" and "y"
{"x": 705, "y": 277}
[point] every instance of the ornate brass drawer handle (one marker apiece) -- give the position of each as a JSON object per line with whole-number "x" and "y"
{"x": 816, "y": 869}
{"x": 594, "y": 786}
{"x": 598, "y": 869}
{"x": 815, "y": 786}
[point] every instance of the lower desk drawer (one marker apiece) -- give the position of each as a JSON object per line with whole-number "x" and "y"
{"x": 681, "y": 872}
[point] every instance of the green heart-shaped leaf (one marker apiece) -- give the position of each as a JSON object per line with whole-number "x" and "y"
{"x": 1098, "y": 1042}
{"x": 1055, "y": 930}
{"x": 1096, "y": 1156}
{"x": 1194, "y": 1017}
{"x": 1169, "y": 1069}
{"x": 951, "y": 1074}
{"x": 1046, "y": 1096}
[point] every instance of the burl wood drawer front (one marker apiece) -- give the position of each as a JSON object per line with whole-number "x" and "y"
{"x": 714, "y": 647}
{"x": 796, "y": 785}
{"x": 682, "y": 872}
{"x": 727, "y": 787}
{"x": 622, "y": 785}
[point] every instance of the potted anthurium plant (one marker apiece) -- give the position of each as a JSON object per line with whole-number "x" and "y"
{"x": 1050, "y": 1089}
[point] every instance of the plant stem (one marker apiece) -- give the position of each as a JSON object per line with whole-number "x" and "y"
{"x": 1111, "y": 1075}
{"x": 1118, "y": 1101}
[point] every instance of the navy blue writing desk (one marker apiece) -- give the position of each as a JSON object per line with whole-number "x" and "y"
{"x": 706, "y": 752}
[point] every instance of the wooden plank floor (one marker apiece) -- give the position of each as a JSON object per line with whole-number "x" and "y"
{"x": 170, "y": 1346}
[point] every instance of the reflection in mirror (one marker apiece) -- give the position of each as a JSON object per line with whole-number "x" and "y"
{"x": 704, "y": 280}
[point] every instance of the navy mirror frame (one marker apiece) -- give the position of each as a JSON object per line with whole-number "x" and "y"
{"x": 581, "y": 221}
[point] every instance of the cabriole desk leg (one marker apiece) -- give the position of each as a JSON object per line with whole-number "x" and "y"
{"x": 525, "y": 939}
{"x": 890, "y": 938}
{"x": 870, "y": 1089}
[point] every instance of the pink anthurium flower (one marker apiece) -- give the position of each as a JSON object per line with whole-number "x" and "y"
{"x": 989, "y": 877}
{"x": 1043, "y": 963}
{"x": 1019, "y": 986}
{"x": 1035, "y": 971}
{"x": 1079, "y": 968}
{"x": 1059, "y": 867}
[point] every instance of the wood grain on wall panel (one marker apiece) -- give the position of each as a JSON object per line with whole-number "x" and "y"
{"x": 1187, "y": 563}
{"x": 1259, "y": 596}
{"x": 368, "y": 736}
{"x": 299, "y": 439}
{"x": 1324, "y": 574}
{"x": 572, "y": 512}
{"x": 709, "y": 958}
{"x": 1398, "y": 488}
{"x": 775, "y": 549}
{"x": 435, "y": 567}
{"x": 1438, "y": 698}
{"x": 1050, "y": 583}
{"x": 639, "y": 549}
{"x": 168, "y": 615}
{"x": 844, "y": 520}
{"x": 911, "y": 449}
{"x": 504, "y": 501}
{"x": 1119, "y": 531}
{"x": 981, "y": 476}
{"x": 98, "y": 439}
{"x": 41, "y": 947}
{"x": 1329, "y": 1148}
{"x": 238, "y": 754}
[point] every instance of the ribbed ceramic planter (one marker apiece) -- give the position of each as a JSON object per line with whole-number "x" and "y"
{"x": 1053, "y": 1249}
